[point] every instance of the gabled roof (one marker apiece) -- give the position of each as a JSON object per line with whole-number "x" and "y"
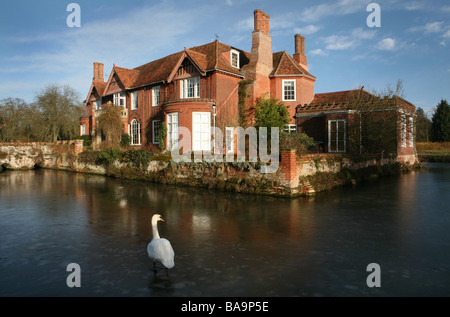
{"x": 127, "y": 76}
{"x": 98, "y": 86}
{"x": 205, "y": 58}
{"x": 284, "y": 64}
{"x": 215, "y": 60}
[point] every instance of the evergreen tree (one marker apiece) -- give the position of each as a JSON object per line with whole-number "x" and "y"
{"x": 440, "y": 128}
{"x": 270, "y": 112}
{"x": 423, "y": 126}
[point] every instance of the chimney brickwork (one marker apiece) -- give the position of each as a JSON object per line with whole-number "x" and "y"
{"x": 98, "y": 72}
{"x": 299, "y": 55}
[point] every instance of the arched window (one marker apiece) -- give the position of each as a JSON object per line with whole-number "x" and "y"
{"x": 135, "y": 132}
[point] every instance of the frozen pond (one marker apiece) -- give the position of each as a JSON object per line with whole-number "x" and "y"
{"x": 225, "y": 244}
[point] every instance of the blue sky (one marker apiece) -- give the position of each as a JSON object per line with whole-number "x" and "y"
{"x": 412, "y": 44}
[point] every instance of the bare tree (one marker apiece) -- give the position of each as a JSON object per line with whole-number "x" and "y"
{"x": 60, "y": 110}
{"x": 375, "y": 128}
{"x": 110, "y": 124}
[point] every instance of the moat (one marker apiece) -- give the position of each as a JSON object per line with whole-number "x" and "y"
{"x": 225, "y": 244}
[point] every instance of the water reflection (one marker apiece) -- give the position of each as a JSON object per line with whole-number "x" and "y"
{"x": 226, "y": 244}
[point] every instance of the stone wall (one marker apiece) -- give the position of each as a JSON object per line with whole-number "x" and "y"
{"x": 294, "y": 177}
{"x": 28, "y": 155}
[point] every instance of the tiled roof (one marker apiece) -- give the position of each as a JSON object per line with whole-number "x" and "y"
{"x": 127, "y": 76}
{"x": 157, "y": 71}
{"x": 351, "y": 99}
{"x": 206, "y": 57}
{"x": 283, "y": 64}
{"x": 338, "y": 100}
{"x": 99, "y": 86}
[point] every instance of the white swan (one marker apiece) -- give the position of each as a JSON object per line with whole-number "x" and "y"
{"x": 160, "y": 249}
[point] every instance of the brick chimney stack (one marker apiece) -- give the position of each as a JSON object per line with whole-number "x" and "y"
{"x": 261, "y": 59}
{"x": 262, "y": 21}
{"x": 98, "y": 72}
{"x": 299, "y": 55}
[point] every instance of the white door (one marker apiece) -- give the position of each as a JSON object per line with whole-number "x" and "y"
{"x": 172, "y": 131}
{"x": 201, "y": 131}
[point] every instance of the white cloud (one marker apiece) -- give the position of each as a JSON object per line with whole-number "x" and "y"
{"x": 338, "y": 42}
{"x": 361, "y": 34}
{"x": 431, "y": 27}
{"x": 307, "y": 30}
{"x": 447, "y": 34}
{"x": 318, "y": 52}
{"x": 443, "y": 43}
{"x": 343, "y": 42}
{"x": 414, "y": 5}
{"x": 387, "y": 44}
{"x": 434, "y": 27}
{"x": 341, "y": 7}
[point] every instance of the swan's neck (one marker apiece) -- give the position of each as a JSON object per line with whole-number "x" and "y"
{"x": 155, "y": 230}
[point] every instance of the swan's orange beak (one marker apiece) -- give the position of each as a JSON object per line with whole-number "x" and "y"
{"x": 161, "y": 219}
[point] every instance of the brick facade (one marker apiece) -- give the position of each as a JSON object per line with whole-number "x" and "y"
{"x": 219, "y": 77}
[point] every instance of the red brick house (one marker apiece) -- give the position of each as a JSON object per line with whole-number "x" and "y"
{"x": 198, "y": 88}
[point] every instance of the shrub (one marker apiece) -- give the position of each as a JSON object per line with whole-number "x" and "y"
{"x": 87, "y": 140}
{"x": 107, "y": 157}
{"x": 136, "y": 158}
{"x": 300, "y": 142}
{"x": 125, "y": 140}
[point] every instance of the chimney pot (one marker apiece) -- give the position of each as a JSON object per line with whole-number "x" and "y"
{"x": 98, "y": 71}
{"x": 262, "y": 21}
{"x": 299, "y": 55}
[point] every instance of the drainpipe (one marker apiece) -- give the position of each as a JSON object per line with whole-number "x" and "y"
{"x": 214, "y": 128}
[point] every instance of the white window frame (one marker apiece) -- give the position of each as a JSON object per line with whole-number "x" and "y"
{"x": 204, "y": 136}
{"x": 236, "y": 53}
{"x": 188, "y": 84}
{"x": 403, "y": 130}
{"x": 411, "y": 132}
{"x": 229, "y": 139}
{"x": 284, "y": 82}
{"x": 135, "y": 128}
{"x": 290, "y": 128}
{"x": 134, "y": 100}
{"x": 155, "y": 130}
{"x": 172, "y": 130}
{"x": 98, "y": 104}
{"x": 82, "y": 129}
{"x": 156, "y": 96}
{"x": 338, "y": 150}
{"x": 119, "y": 98}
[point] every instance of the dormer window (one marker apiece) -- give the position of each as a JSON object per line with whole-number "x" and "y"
{"x": 234, "y": 58}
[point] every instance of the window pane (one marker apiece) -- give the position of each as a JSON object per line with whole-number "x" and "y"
{"x": 336, "y": 135}
{"x": 289, "y": 89}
